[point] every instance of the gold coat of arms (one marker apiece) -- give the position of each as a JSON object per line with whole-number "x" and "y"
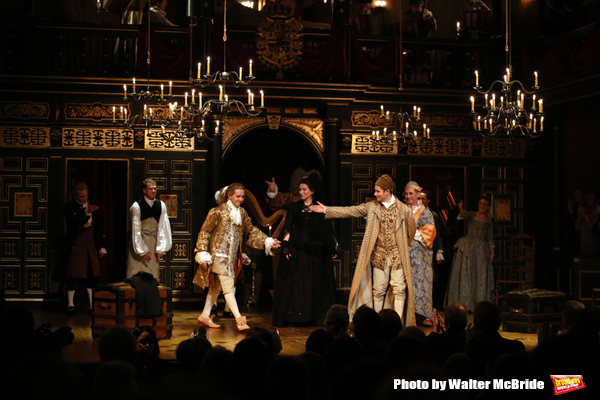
{"x": 279, "y": 40}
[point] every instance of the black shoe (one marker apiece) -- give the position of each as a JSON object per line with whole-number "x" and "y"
{"x": 70, "y": 311}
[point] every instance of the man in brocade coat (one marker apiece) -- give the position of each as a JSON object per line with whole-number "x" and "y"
{"x": 382, "y": 278}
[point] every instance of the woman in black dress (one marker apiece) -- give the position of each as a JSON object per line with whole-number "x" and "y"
{"x": 305, "y": 287}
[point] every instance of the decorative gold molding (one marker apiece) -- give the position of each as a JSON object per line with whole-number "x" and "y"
{"x": 279, "y": 41}
{"x": 274, "y": 121}
{"x": 156, "y": 139}
{"x": 97, "y": 138}
{"x": 236, "y": 125}
{"x": 13, "y": 136}
{"x": 25, "y": 110}
{"x": 361, "y": 144}
{"x": 311, "y": 127}
{"x": 93, "y": 111}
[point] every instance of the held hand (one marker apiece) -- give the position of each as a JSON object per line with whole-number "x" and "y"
{"x": 100, "y": 253}
{"x": 288, "y": 256}
{"x": 271, "y": 185}
{"x": 204, "y": 265}
{"x": 148, "y": 256}
{"x": 159, "y": 255}
{"x": 276, "y": 244}
{"x": 91, "y": 208}
{"x": 320, "y": 208}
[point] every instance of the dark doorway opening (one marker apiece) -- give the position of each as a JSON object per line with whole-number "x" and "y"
{"x": 107, "y": 181}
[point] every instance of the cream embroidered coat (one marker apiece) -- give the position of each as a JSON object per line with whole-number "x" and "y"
{"x": 361, "y": 291}
{"x": 212, "y": 233}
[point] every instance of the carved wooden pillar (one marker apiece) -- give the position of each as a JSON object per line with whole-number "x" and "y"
{"x": 332, "y": 160}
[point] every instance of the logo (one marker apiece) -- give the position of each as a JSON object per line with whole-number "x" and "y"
{"x": 567, "y": 383}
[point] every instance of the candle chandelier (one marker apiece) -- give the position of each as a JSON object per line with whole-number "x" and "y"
{"x": 188, "y": 119}
{"x": 515, "y": 112}
{"x": 405, "y": 128}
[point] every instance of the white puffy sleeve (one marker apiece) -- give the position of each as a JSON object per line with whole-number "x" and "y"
{"x": 164, "y": 240}
{"x": 136, "y": 230}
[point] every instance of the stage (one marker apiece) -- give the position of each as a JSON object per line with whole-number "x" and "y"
{"x": 84, "y": 347}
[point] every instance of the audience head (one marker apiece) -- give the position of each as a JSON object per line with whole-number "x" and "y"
{"x": 365, "y": 325}
{"x": 147, "y": 343}
{"x": 390, "y": 324}
{"x": 571, "y": 310}
{"x": 115, "y": 379}
{"x": 270, "y": 337}
{"x": 191, "y": 352}
{"x": 117, "y": 343}
{"x": 319, "y": 341}
{"x": 487, "y": 317}
{"x": 337, "y": 320}
{"x": 456, "y": 315}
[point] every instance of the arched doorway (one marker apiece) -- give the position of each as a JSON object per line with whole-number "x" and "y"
{"x": 259, "y": 155}
{"x": 252, "y": 159}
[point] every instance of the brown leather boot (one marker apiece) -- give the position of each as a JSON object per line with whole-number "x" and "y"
{"x": 241, "y": 324}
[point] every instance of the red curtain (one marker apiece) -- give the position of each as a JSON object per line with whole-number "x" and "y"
{"x": 382, "y": 69}
{"x": 165, "y": 62}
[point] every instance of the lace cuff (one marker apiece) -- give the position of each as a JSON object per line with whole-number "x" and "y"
{"x": 268, "y": 243}
{"x": 203, "y": 257}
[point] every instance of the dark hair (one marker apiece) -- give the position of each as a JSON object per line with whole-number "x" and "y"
{"x": 487, "y": 196}
{"x": 313, "y": 181}
{"x": 137, "y": 332}
{"x": 487, "y": 317}
{"x": 427, "y": 194}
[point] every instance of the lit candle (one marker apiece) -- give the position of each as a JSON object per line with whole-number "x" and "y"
{"x": 414, "y": 110}
{"x": 457, "y": 27}
{"x": 424, "y": 130}
{"x": 491, "y": 129}
{"x": 542, "y": 124}
{"x": 124, "y": 90}
{"x": 199, "y": 68}
{"x": 121, "y": 114}
{"x": 384, "y": 131}
{"x": 170, "y": 88}
{"x": 407, "y": 128}
{"x": 162, "y": 91}
{"x": 382, "y": 113}
{"x": 428, "y": 131}
{"x": 114, "y": 110}
{"x": 533, "y": 102}
{"x": 529, "y": 122}
{"x": 200, "y": 98}
{"x": 501, "y": 101}
{"x": 150, "y": 111}
{"x": 535, "y": 74}
{"x": 387, "y": 115}
{"x": 250, "y": 68}
{"x": 485, "y": 124}
{"x": 193, "y": 95}
{"x": 477, "y": 79}
{"x": 145, "y": 110}
{"x": 202, "y": 124}
{"x": 125, "y": 110}
{"x": 133, "y": 85}
{"x": 472, "y": 104}
{"x": 248, "y": 96}
{"x": 507, "y": 74}
{"x": 186, "y": 95}
{"x": 226, "y": 99}
{"x": 505, "y": 79}
{"x": 252, "y": 99}
{"x": 240, "y": 73}
{"x": 486, "y": 99}
{"x": 217, "y": 126}
{"x": 181, "y": 114}
{"x": 478, "y": 123}
{"x": 541, "y": 105}
{"x": 534, "y": 125}
{"x": 262, "y": 99}
{"x": 493, "y": 101}
{"x": 220, "y": 93}
{"x": 522, "y": 99}
{"x": 270, "y": 230}
{"x": 163, "y": 129}
{"x": 207, "y": 65}
{"x": 419, "y": 112}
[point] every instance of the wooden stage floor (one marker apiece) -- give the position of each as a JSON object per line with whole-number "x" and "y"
{"x": 84, "y": 347}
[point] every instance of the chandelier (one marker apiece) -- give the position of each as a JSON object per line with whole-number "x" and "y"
{"x": 185, "y": 116}
{"x": 405, "y": 127}
{"x": 516, "y": 111}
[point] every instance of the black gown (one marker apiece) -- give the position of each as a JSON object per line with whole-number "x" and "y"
{"x": 305, "y": 286}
